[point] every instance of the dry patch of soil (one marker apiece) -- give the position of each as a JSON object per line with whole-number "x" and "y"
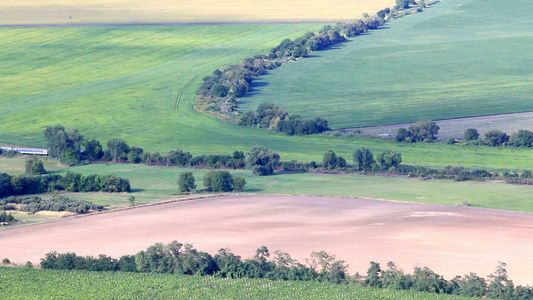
{"x": 168, "y": 11}
{"x": 450, "y": 240}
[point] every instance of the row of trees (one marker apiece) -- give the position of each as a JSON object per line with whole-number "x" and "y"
{"x": 363, "y": 161}
{"x": 23, "y": 184}
{"x": 177, "y": 258}
{"x": 221, "y": 90}
{"x": 214, "y": 181}
{"x": 118, "y": 150}
{"x": 260, "y": 160}
{"x": 273, "y": 117}
{"x": 497, "y": 138}
{"x": 498, "y": 285}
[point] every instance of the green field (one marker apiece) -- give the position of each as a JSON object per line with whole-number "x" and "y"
{"x": 25, "y": 283}
{"x": 122, "y": 81}
{"x": 151, "y": 184}
{"x": 459, "y": 58}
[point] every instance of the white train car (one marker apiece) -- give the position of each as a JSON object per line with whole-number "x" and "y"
{"x": 29, "y": 151}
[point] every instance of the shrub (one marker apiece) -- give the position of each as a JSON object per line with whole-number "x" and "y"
{"x": 219, "y": 181}
{"x": 186, "y": 182}
{"x": 471, "y": 134}
{"x": 239, "y": 183}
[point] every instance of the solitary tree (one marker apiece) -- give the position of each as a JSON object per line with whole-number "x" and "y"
{"x": 239, "y": 183}
{"x": 330, "y": 160}
{"x": 186, "y": 182}
{"x": 262, "y": 161}
{"x": 471, "y": 134}
{"x": 34, "y": 166}
{"x": 363, "y": 159}
{"x": 424, "y": 130}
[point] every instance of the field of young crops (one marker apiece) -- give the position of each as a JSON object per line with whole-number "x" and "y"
{"x": 459, "y": 58}
{"x": 25, "y": 283}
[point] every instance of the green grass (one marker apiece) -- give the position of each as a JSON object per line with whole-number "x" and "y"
{"x": 152, "y": 184}
{"x": 457, "y": 59}
{"x": 122, "y": 81}
{"x": 27, "y": 283}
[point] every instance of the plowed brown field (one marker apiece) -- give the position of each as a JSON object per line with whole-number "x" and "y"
{"x": 448, "y": 239}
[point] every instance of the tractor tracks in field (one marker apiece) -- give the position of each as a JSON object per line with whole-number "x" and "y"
{"x": 180, "y": 93}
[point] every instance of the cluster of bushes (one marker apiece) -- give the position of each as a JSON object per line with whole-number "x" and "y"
{"x": 273, "y": 117}
{"x": 23, "y": 184}
{"x": 75, "y": 182}
{"x": 421, "y": 131}
{"x": 177, "y": 258}
{"x": 55, "y": 203}
{"x": 6, "y": 218}
{"x": 497, "y": 138}
{"x": 214, "y": 181}
{"x": 221, "y": 90}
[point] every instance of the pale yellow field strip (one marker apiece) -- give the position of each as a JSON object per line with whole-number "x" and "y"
{"x": 180, "y": 11}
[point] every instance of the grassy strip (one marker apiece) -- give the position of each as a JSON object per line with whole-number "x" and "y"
{"x": 151, "y": 184}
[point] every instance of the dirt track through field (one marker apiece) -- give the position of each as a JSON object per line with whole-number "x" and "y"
{"x": 451, "y": 240}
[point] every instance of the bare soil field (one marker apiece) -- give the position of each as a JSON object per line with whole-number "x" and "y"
{"x": 169, "y": 11}
{"x": 451, "y": 240}
{"x": 455, "y": 128}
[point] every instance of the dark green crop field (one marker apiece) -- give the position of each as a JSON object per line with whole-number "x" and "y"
{"x": 459, "y": 58}
{"x": 50, "y": 284}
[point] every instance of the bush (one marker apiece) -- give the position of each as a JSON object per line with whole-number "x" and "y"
{"x": 262, "y": 161}
{"x": 186, "y": 182}
{"x": 219, "y": 181}
{"x": 239, "y": 183}
{"x": 34, "y": 166}
{"x": 471, "y": 134}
